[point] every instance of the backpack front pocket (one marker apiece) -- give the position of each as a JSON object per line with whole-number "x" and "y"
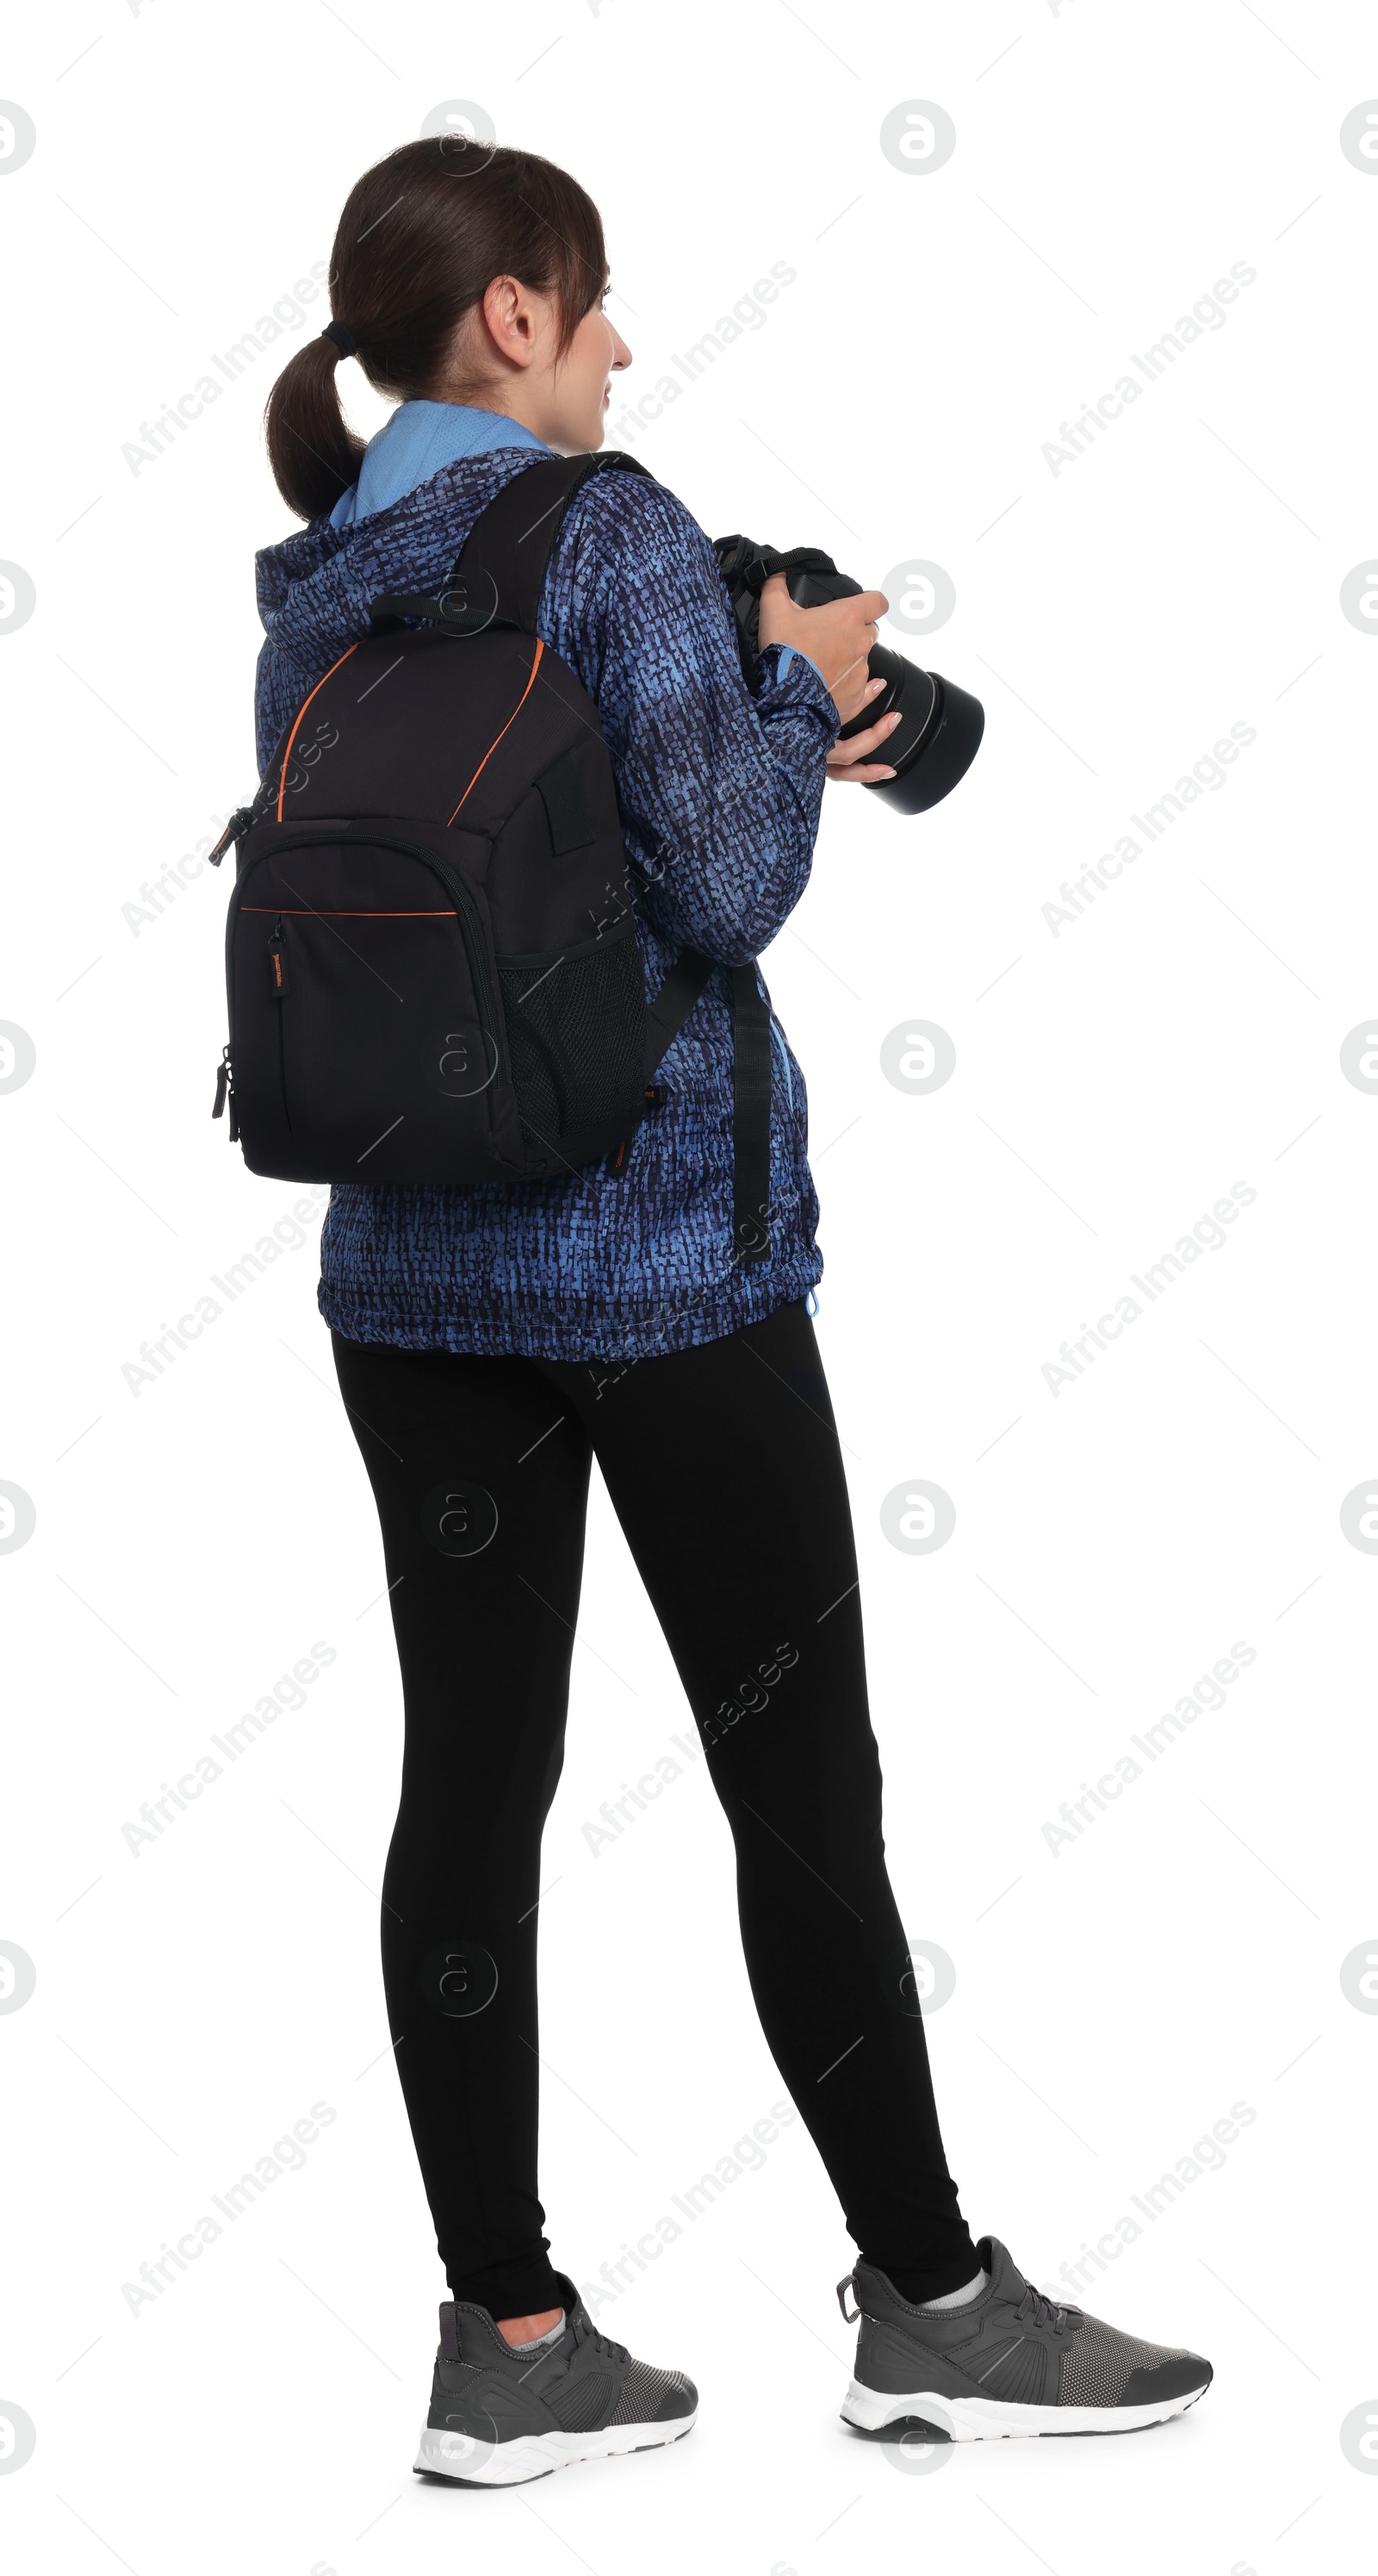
{"x": 365, "y": 1031}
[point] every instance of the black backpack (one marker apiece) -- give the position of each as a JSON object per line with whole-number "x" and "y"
{"x": 430, "y": 956}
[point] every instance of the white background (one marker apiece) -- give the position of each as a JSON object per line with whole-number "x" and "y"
{"x": 1112, "y": 1540}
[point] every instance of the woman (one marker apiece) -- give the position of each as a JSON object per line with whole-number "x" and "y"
{"x": 505, "y": 1334}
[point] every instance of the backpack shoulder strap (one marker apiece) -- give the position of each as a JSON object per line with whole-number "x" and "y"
{"x": 666, "y": 1015}
{"x": 500, "y": 573}
{"x": 509, "y": 543}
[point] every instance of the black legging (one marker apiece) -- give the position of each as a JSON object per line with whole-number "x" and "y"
{"x": 724, "y": 1470}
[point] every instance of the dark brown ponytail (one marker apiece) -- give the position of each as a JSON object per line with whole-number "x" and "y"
{"x": 421, "y": 237}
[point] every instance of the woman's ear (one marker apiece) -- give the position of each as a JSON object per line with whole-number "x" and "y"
{"x": 512, "y": 317}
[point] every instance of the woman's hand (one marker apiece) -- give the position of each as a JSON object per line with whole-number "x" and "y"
{"x": 855, "y": 759}
{"x": 837, "y": 638}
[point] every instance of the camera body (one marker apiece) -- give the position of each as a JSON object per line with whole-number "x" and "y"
{"x": 940, "y": 727}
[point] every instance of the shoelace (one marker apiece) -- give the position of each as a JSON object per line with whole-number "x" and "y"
{"x": 585, "y": 2331}
{"x": 1045, "y": 2312}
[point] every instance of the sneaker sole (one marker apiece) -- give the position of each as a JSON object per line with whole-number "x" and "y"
{"x": 986, "y": 2419}
{"x": 463, "y": 2461}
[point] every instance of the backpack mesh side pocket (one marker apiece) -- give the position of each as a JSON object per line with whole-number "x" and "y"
{"x": 576, "y": 1038}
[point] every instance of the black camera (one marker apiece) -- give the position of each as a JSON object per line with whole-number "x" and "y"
{"x": 940, "y": 726}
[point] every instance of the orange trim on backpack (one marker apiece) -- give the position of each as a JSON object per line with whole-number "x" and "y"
{"x": 516, "y": 711}
{"x": 320, "y": 684}
{"x": 313, "y": 912}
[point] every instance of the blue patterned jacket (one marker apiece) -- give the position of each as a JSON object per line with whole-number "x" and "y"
{"x": 719, "y": 794}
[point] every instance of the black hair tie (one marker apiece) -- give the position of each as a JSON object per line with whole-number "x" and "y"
{"x": 342, "y": 336}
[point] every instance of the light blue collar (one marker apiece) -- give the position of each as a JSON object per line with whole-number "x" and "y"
{"x": 415, "y": 443}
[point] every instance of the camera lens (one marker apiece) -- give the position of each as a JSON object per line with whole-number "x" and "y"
{"x": 940, "y": 726}
{"x": 937, "y": 737}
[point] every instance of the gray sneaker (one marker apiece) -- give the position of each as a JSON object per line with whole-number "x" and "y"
{"x": 1010, "y": 2361}
{"x": 498, "y": 2417}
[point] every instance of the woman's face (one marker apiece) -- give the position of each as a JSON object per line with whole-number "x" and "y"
{"x": 577, "y": 389}
{"x": 563, "y": 400}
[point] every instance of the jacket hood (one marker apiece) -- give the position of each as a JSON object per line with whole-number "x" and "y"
{"x": 315, "y": 589}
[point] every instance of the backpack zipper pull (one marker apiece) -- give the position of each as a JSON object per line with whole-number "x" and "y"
{"x": 237, "y": 825}
{"x": 224, "y": 1089}
{"x": 655, "y": 1095}
{"x": 277, "y": 959}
